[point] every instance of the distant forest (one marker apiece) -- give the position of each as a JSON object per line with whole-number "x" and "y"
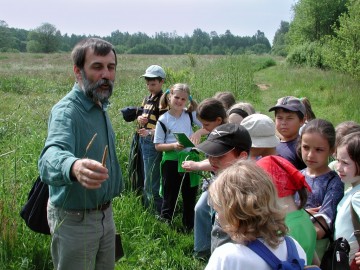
{"x": 322, "y": 34}
{"x": 47, "y": 39}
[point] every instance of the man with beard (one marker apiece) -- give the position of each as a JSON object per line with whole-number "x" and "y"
{"x": 80, "y": 166}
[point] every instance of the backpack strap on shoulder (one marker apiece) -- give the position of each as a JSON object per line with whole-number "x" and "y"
{"x": 191, "y": 117}
{"x": 163, "y": 128}
{"x": 291, "y": 248}
{"x": 293, "y": 260}
{"x": 293, "y": 254}
{"x": 260, "y": 249}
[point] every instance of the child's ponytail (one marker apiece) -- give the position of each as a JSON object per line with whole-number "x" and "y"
{"x": 164, "y": 100}
{"x": 193, "y": 104}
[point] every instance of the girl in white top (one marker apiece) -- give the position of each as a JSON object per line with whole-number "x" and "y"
{"x": 348, "y": 168}
{"x": 246, "y": 202}
{"x": 176, "y": 119}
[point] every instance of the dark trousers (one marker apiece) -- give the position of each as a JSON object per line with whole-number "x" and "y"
{"x": 172, "y": 180}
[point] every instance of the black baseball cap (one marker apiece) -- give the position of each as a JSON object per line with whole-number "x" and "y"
{"x": 224, "y": 138}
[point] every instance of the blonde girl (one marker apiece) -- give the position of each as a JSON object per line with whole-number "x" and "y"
{"x": 177, "y": 119}
{"x": 245, "y": 200}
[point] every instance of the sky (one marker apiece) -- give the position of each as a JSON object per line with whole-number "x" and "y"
{"x": 101, "y": 17}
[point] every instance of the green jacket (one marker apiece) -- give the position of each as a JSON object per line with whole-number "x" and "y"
{"x": 180, "y": 157}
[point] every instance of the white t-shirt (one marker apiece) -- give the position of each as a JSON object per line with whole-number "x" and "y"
{"x": 231, "y": 256}
{"x": 174, "y": 124}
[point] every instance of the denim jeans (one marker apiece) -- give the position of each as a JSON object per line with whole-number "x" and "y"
{"x": 151, "y": 159}
{"x": 203, "y": 224}
{"x": 82, "y": 239}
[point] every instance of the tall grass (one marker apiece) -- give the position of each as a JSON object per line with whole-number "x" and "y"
{"x": 30, "y": 84}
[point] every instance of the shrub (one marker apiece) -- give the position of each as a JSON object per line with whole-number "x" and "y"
{"x": 308, "y": 54}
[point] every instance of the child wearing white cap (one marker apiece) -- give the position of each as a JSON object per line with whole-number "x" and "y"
{"x": 262, "y": 132}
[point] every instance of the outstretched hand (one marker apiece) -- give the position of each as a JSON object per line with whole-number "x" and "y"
{"x": 89, "y": 173}
{"x": 190, "y": 165}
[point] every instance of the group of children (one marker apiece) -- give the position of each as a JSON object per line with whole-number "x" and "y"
{"x": 268, "y": 179}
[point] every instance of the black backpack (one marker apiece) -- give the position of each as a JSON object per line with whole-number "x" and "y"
{"x": 336, "y": 256}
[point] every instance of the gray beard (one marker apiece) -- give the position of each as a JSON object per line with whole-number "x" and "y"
{"x": 90, "y": 89}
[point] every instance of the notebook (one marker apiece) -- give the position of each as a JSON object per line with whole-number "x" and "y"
{"x": 183, "y": 139}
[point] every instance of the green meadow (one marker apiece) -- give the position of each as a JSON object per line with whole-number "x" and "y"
{"x": 30, "y": 84}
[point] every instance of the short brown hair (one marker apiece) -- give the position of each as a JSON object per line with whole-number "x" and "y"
{"x": 210, "y": 109}
{"x": 226, "y": 98}
{"x": 345, "y": 128}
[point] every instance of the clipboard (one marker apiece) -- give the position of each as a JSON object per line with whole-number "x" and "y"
{"x": 183, "y": 139}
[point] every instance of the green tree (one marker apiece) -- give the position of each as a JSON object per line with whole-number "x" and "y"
{"x": 45, "y": 38}
{"x": 342, "y": 51}
{"x": 150, "y": 48}
{"x": 263, "y": 44}
{"x": 279, "y": 41}
{"x": 228, "y": 39}
{"x": 7, "y": 40}
{"x": 314, "y": 19}
{"x": 20, "y": 36}
{"x": 200, "y": 39}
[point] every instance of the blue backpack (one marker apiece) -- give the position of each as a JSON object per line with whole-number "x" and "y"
{"x": 293, "y": 261}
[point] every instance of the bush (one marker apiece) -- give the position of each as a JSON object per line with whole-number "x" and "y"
{"x": 308, "y": 54}
{"x": 263, "y": 63}
{"x": 280, "y": 50}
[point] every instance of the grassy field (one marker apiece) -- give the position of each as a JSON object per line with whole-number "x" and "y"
{"x": 30, "y": 84}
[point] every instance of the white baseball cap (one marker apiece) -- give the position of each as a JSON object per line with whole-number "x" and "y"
{"x": 261, "y": 129}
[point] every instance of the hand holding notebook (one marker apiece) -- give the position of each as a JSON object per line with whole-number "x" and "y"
{"x": 183, "y": 139}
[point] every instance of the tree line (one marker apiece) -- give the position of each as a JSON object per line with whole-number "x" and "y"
{"x": 48, "y": 39}
{"x": 323, "y": 34}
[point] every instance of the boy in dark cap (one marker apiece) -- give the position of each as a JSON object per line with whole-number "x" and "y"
{"x": 224, "y": 146}
{"x": 289, "y": 117}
